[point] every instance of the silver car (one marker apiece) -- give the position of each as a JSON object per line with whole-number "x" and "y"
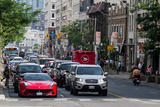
{"x": 89, "y": 78}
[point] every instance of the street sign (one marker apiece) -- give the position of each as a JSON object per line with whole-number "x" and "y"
{"x": 47, "y": 36}
{"x": 110, "y": 48}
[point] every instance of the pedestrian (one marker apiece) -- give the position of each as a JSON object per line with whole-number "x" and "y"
{"x": 149, "y": 70}
{"x": 102, "y": 63}
{"x": 123, "y": 66}
{"x": 6, "y": 76}
{"x": 119, "y": 67}
{"x": 140, "y": 66}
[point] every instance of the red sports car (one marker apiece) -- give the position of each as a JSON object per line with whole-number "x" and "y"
{"x": 37, "y": 84}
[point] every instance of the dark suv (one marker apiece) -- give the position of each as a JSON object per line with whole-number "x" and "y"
{"x": 62, "y": 71}
{"x": 24, "y": 68}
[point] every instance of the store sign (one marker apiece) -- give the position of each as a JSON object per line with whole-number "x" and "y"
{"x": 85, "y": 59}
{"x": 98, "y": 38}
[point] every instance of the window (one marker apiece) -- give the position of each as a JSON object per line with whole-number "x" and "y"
{"x": 53, "y": 6}
{"x": 52, "y": 23}
{"x": 52, "y": 15}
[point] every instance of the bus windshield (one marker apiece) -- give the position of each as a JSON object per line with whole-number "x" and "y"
{"x": 11, "y": 51}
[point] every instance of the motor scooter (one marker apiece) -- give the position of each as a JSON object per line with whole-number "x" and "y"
{"x": 136, "y": 81}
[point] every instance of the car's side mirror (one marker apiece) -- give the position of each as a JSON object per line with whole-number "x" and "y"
{"x": 105, "y": 73}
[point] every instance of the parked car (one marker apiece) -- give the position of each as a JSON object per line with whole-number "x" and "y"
{"x": 23, "y": 68}
{"x": 37, "y": 84}
{"x": 13, "y": 65}
{"x": 55, "y": 68}
{"x": 71, "y": 69}
{"x": 61, "y": 72}
{"x": 43, "y": 61}
{"x": 89, "y": 78}
{"x": 48, "y": 66}
{"x": 33, "y": 59}
{"x": 17, "y": 59}
{"x": 10, "y": 57}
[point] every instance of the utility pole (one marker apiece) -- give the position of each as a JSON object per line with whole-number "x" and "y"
{"x": 95, "y": 45}
{"x": 135, "y": 37}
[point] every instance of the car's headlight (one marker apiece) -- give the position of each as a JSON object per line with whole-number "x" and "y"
{"x": 102, "y": 79}
{"x": 79, "y": 79}
{"x": 26, "y": 85}
{"x": 52, "y": 84}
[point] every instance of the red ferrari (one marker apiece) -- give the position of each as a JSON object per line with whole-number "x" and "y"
{"x": 37, "y": 84}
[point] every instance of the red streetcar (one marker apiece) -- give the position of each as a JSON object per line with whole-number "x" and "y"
{"x": 37, "y": 84}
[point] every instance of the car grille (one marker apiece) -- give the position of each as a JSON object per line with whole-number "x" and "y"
{"x": 43, "y": 91}
{"x": 91, "y": 81}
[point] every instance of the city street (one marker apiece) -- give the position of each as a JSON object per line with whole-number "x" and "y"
{"x": 121, "y": 93}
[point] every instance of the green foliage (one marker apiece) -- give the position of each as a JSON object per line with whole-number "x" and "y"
{"x": 80, "y": 34}
{"x": 14, "y": 18}
{"x": 150, "y": 24}
{"x": 103, "y": 49}
{"x": 36, "y": 46}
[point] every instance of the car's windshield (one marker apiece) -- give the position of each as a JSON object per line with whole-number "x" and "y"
{"x": 37, "y": 77}
{"x": 15, "y": 63}
{"x": 89, "y": 71}
{"x": 72, "y": 68}
{"x": 12, "y": 56}
{"x": 44, "y": 61}
{"x": 29, "y": 68}
{"x": 65, "y": 66}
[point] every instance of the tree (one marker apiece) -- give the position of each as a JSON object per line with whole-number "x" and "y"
{"x": 149, "y": 26}
{"x": 14, "y": 18}
{"x": 80, "y": 34}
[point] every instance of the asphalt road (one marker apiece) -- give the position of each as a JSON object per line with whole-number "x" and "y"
{"x": 122, "y": 93}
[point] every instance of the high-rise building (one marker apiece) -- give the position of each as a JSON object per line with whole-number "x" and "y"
{"x": 36, "y": 5}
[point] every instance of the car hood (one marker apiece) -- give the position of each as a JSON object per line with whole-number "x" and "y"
{"x": 90, "y": 76}
{"x": 39, "y": 84}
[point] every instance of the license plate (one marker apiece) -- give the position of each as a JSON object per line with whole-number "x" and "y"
{"x": 39, "y": 94}
{"x": 91, "y": 87}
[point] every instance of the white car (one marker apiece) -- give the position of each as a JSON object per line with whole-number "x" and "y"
{"x": 17, "y": 59}
{"x": 89, "y": 78}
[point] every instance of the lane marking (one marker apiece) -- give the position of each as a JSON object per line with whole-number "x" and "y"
{"x": 36, "y": 99}
{"x": 133, "y": 99}
{"x": 112, "y": 100}
{"x": 61, "y": 99}
{"x": 117, "y": 95}
{"x": 11, "y": 99}
{"x": 156, "y": 101}
{"x": 85, "y": 100}
{"x": 148, "y": 102}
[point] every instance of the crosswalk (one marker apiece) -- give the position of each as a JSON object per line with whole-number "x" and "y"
{"x": 144, "y": 101}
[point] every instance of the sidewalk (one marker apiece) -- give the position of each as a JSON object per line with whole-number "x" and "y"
{"x": 126, "y": 76}
{"x": 2, "y": 96}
